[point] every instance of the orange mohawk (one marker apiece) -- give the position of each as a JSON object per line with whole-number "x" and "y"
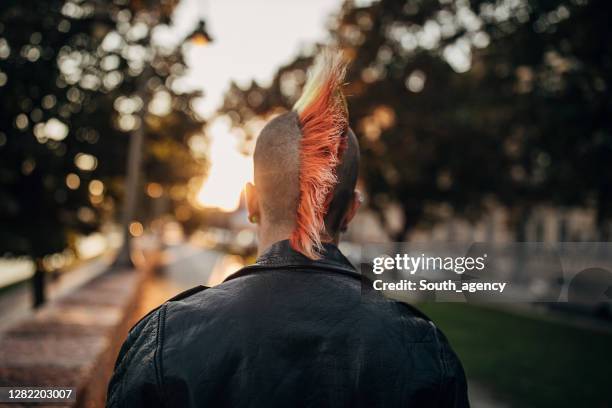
{"x": 323, "y": 118}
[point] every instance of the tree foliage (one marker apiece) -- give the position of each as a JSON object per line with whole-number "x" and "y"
{"x": 74, "y": 76}
{"x": 466, "y": 103}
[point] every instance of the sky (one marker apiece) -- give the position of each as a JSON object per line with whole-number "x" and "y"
{"x": 251, "y": 39}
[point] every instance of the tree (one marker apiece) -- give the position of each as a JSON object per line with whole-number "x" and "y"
{"x": 465, "y": 103}
{"x": 69, "y": 73}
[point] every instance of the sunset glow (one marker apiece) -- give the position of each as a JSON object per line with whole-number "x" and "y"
{"x": 229, "y": 170}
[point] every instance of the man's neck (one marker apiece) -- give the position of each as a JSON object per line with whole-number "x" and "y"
{"x": 268, "y": 235}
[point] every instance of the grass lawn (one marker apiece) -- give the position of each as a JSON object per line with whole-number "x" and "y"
{"x": 528, "y": 361}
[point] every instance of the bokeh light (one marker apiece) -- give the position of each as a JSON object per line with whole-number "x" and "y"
{"x": 136, "y": 229}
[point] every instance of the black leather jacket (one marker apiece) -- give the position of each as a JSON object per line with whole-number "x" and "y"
{"x": 288, "y": 332}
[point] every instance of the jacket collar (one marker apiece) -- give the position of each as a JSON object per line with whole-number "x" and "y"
{"x": 282, "y": 256}
{"x": 281, "y": 252}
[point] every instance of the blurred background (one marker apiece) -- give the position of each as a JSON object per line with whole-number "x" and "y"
{"x": 127, "y": 126}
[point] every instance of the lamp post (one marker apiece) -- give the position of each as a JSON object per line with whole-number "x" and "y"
{"x": 198, "y": 37}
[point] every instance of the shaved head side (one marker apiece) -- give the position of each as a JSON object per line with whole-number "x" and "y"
{"x": 276, "y": 165}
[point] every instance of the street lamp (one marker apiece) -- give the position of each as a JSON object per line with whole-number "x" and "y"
{"x": 198, "y": 37}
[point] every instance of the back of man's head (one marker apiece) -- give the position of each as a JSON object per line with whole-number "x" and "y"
{"x": 306, "y": 161}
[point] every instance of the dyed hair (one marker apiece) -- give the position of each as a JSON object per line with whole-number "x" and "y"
{"x": 323, "y": 120}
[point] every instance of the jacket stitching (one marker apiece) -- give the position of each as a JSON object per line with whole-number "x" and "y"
{"x": 158, "y": 362}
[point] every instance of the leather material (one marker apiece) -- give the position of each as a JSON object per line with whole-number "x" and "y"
{"x": 287, "y": 331}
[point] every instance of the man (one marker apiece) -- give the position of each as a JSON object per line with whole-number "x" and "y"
{"x": 294, "y": 329}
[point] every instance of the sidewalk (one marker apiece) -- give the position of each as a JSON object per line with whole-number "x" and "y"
{"x": 183, "y": 267}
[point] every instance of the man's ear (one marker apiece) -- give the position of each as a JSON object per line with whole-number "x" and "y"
{"x": 252, "y": 202}
{"x": 352, "y": 209}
